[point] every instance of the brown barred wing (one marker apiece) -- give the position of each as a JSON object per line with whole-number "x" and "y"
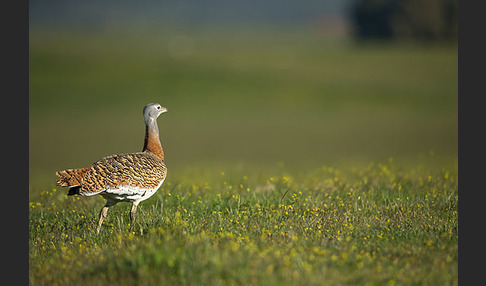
{"x": 142, "y": 170}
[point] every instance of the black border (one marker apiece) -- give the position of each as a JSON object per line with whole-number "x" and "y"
{"x": 472, "y": 48}
{"x": 15, "y": 148}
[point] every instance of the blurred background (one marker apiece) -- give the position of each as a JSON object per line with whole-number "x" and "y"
{"x": 248, "y": 84}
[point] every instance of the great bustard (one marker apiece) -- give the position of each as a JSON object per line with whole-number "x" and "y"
{"x": 131, "y": 177}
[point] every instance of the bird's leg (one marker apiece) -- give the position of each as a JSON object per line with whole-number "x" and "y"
{"x": 132, "y": 214}
{"x": 103, "y": 213}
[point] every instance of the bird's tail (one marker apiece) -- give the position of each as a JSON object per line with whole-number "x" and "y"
{"x": 71, "y": 177}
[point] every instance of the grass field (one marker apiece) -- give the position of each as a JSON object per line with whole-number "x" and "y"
{"x": 292, "y": 159}
{"x": 381, "y": 225}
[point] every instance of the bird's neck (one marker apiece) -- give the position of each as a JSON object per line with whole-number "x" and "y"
{"x": 152, "y": 141}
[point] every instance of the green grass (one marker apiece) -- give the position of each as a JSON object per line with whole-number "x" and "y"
{"x": 370, "y": 226}
{"x": 268, "y": 141}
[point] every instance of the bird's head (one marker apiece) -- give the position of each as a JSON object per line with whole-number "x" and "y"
{"x": 152, "y": 110}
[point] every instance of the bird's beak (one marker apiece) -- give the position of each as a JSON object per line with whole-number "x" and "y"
{"x": 163, "y": 110}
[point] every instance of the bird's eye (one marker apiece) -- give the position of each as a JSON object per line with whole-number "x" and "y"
{"x": 158, "y": 107}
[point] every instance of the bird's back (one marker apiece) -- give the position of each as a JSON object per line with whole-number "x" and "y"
{"x": 125, "y": 172}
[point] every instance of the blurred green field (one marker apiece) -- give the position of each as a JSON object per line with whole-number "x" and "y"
{"x": 293, "y": 158}
{"x": 264, "y": 99}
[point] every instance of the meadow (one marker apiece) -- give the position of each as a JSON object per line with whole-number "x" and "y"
{"x": 380, "y": 225}
{"x": 293, "y": 159}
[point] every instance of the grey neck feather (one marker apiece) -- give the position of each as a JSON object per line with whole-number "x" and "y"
{"x": 151, "y": 124}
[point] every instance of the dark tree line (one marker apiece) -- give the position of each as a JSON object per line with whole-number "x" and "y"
{"x": 427, "y": 20}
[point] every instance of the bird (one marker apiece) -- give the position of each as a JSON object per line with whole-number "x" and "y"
{"x": 128, "y": 177}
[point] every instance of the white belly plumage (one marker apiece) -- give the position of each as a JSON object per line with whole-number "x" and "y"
{"x": 124, "y": 193}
